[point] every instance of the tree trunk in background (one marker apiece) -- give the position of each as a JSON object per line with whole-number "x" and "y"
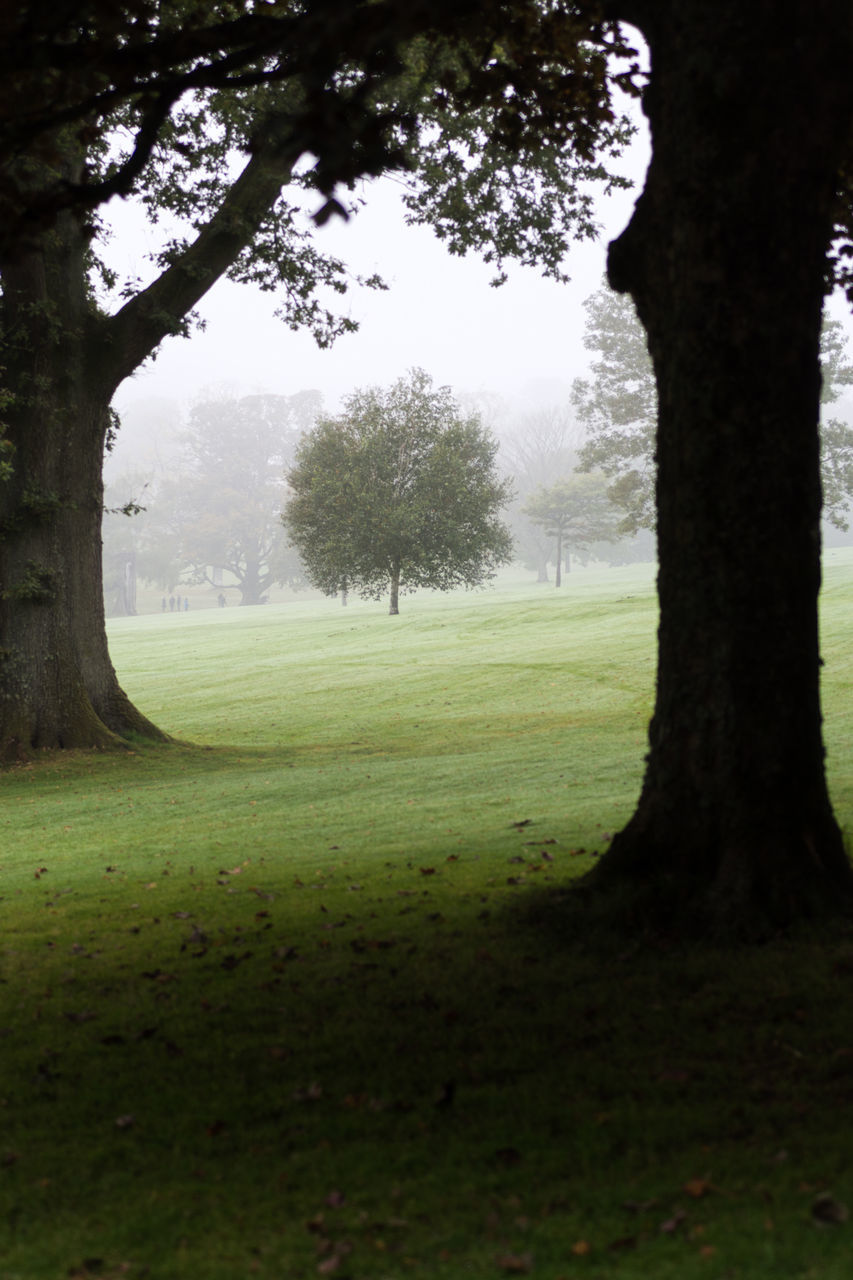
{"x": 394, "y": 606}
{"x": 558, "y": 572}
{"x": 59, "y": 686}
{"x": 724, "y": 258}
{"x": 251, "y": 588}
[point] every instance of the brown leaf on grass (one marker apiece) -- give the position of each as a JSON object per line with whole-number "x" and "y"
{"x": 517, "y": 1264}
{"x": 671, "y": 1225}
{"x": 524, "y": 822}
{"x": 697, "y": 1187}
{"x": 581, "y": 1247}
{"x": 427, "y": 871}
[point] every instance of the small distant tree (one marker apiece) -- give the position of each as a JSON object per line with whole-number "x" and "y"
{"x": 214, "y": 518}
{"x": 575, "y": 511}
{"x": 397, "y": 492}
{"x": 542, "y": 444}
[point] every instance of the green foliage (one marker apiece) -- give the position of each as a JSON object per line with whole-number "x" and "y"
{"x": 398, "y": 491}
{"x": 618, "y": 407}
{"x": 37, "y": 585}
{"x": 576, "y": 511}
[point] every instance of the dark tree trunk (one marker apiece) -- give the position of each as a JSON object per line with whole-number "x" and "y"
{"x": 394, "y": 606}
{"x": 558, "y": 572}
{"x": 724, "y": 258}
{"x": 59, "y": 686}
{"x": 63, "y": 362}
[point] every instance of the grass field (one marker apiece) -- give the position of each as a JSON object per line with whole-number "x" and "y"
{"x": 291, "y": 1001}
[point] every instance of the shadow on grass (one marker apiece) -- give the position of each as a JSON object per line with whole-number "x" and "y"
{"x": 416, "y": 1075}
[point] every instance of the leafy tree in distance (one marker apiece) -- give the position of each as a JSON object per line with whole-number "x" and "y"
{"x": 397, "y": 492}
{"x": 618, "y": 407}
{"x": 575, "y": 511}
{"x": 542, "y": 445}
{"x": 213, "y": 514}
{"x": 224, "y": 133}
{"x": 228, "y": 493}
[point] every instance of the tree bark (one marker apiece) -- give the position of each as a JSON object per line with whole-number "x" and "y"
{"x": 725, "y": 258}
{"x": 394, "y": 606}
{"x": 63, "y": 362}
{"x": 558, "y": 571}
{"x": 59, "y": 686}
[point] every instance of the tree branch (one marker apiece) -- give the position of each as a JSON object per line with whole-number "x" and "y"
{"x": 157, "y": 311}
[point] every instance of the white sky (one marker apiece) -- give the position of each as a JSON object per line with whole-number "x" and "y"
{"x": 523, "y": 340}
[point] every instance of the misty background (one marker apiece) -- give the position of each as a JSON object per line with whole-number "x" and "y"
{"x": 511, "y": 353}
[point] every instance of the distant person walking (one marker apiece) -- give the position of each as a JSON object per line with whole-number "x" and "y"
{"x": 171, "y": 604}
{"x": 186, "y": 603}
{"x": 221, "y": 600}
{"x": 178, "y": 604}
{"x": 164, "y": 604}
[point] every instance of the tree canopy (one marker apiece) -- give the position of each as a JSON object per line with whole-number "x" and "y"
{"x": 214, "y": 515}
{"x": 576, "y": 512}
{"x": 399, "y": 491}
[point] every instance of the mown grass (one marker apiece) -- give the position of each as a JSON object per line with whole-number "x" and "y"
{"x": 296, "y": 1000}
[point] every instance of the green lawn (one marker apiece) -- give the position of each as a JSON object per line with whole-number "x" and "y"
{"x": 295, "y": 1000}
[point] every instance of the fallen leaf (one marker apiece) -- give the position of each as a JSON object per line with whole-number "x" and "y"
{"x": 671, "y": 1225}
{"x": 515, "y": 1263}
{"x": 581, "y": 1247}
{"x": 697, "y": 1187}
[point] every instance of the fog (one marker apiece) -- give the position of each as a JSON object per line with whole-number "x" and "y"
{"x": 522, "y": 341}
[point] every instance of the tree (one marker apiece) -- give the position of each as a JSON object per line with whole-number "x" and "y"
{"x": 543, "y": 444}
{"x": 398, "y": 492}
{"x": 618, "y": 407}
{"x": 216, "y": 509}
{"x": 577, "y": 512}
{"x": 226, "y": 497}
{"x": 364, "y": 87}
{"x": 727, "y": 257}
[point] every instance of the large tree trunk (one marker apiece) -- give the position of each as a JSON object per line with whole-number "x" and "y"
{"x": 63, "y": 362}
{"x": 724, "y": 258}
{"x": 59, "y": 686}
